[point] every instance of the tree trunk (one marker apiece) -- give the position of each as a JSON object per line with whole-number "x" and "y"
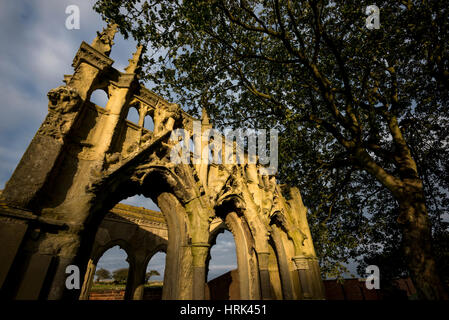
{"x": 413, "y": 218}
{"x": 417, "y": 246}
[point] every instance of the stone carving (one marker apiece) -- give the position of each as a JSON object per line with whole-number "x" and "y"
{"x": 87, "y": 54}
{"x": 63, "y": 104}
{"x": 83, "y": 161}
{"x": 165, "y": 116}
{"x": 63, "y": 99}
{"x": 105, "y": 39}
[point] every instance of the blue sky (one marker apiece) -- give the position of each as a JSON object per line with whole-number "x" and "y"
{"x": 36, "y": 51}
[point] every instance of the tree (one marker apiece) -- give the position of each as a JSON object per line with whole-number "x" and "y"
{"x": 120, "y": 275}
{"x": 148, "y": 275}
{"x": 346, "y": 99}
{"x": 103, "y": 274}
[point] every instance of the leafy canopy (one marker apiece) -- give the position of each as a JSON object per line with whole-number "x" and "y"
{"x": 331, "y": 86}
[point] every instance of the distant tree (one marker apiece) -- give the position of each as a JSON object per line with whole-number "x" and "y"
{"x": 120, "y": 275}
{"x": 103, "y": 274}
{"x": 148, "y": 275}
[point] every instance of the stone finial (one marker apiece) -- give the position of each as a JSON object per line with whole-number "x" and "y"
{"x": 105, "y": 39}
{"x": 204, "y": 117}
{"x": 134, "y": 62}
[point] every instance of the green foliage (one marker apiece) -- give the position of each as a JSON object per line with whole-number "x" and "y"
{"x": 331, "y": 86}
{"x": 103, "y": 274}
{"x": 120, "y": 275}
{"x": 148, "y": 275}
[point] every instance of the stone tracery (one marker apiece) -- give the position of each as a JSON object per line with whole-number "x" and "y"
{"x": 93, "y": 158}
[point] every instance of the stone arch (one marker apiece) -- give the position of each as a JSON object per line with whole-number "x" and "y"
{"x": 166, "y": 190}
{"x": 97, "y": 253}
{"x": 148, "y": 123}
{"x": 133, "y": 115}
{"x": 236, "y": 223}
{"x": 99, "y": 97}
{"x": 123, "y": 244}
{"x": 273, "y": 269}
{"x": 285, "y": 272}
{"x": 148, "y": 120}
{"x": 157, "y": 249}
{"x": 249, "y": 288}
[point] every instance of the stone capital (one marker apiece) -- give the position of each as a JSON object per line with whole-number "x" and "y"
{"x": 200, "y": 251}
{"x": 263, "y": 258}
{"x": 302, "y": 262}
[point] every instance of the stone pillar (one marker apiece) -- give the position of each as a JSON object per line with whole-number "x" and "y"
{"x": 11, "y": 236}
{"x": 32, "y": 281}
{"x": 117, "y": 100}
{"x": 199, "y": 254}
{"x": 58, "y": 289}
{"x": 40, "y": 158}
{"x": 287, "y": 283}
{"x": 306, "y": 281}
{"x": 310, "y": 277}
{"x": 320, "y": 292}
{"x": 40, "y": 271}
{"x": 88, "y": 280}
{"x": 263, "y": 258}
{"x": 83, "y": 78}
{"x": 138, "y": 280}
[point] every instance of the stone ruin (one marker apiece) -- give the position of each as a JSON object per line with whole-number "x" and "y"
{"x": 85, "y": 159}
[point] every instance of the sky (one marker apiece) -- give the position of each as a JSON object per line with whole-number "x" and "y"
{"x": 223, "y": 259}
{"x": 36, "y": 51}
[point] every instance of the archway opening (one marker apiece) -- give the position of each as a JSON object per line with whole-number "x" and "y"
{"x": 133, "y": 115}
{"x": 153, "y": 239}
{"x": 148, "y": 123}
{"x": 157, "y": 187}
{"x": 154, "y": 277}
{"x": 222, "y": 276}
{"x": 99, "y": 97}
{"x": 111, "y": 275}
{"x": 141, "y": 202}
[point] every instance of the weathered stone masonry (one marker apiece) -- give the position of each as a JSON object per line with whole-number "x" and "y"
{"x": 84, "y": 159}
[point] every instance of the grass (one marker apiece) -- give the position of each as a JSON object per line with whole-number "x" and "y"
{"x": 99, "y": 286}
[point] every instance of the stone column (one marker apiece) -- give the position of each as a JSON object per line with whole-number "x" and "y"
{"x": 310, "y": 277}
{"x": 302, "y": 267}
{"x": 117, "y": 99}
{"x": 12, "y": 234}
{"x": 138, "y": 284}
{"x": 32, "y": 281}
{"x": 44, "y": 268}
{"x": 287, "y": 283}
{"x": 83, "y": 78}
{"x": 264, "y": 275}
{"x": 199, "y": 254}
{"x": 88, "y": 280}
{"x": 318, "y": 282}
